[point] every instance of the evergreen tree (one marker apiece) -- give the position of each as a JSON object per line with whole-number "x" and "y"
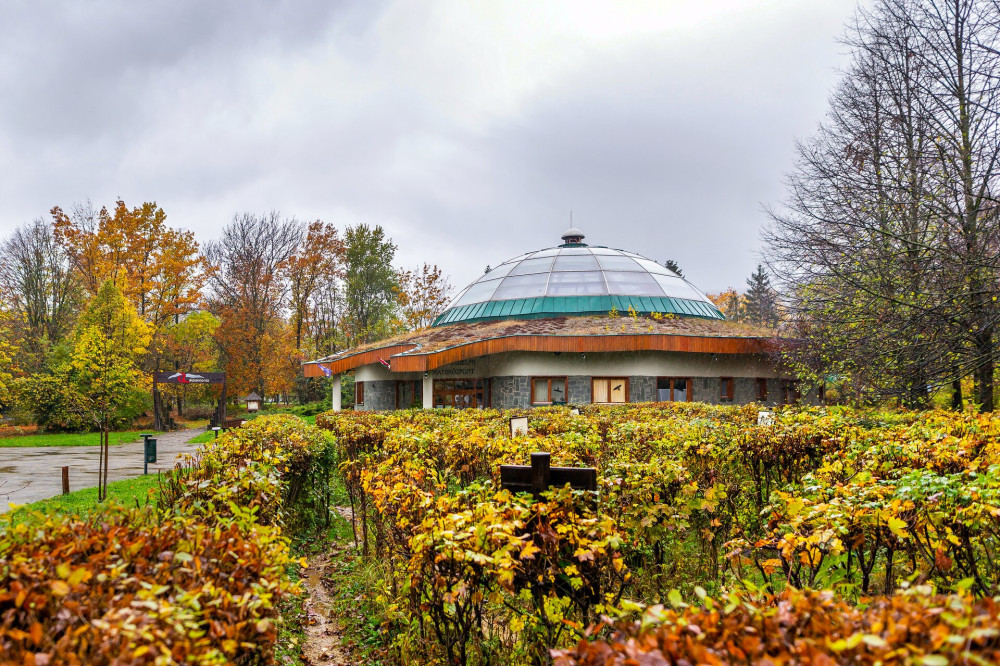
{"x": 760, "y": 302}
{"x": 672, "y": 265}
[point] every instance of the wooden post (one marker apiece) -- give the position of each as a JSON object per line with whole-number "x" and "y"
{"x": 540, "y": 471}
{"x": 65, "y": 480}
{"x": 541, "y": 476}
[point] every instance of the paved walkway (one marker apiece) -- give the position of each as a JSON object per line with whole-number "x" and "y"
{"x": 30, "y": 474}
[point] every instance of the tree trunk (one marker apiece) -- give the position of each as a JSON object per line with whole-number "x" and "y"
{"x": 100, "y": 466}
{"x": 984, "y": 370}
{"x": 107, "y": 447}
{"x": 957, "y": 403}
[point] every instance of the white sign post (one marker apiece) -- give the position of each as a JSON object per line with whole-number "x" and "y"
{"x": 765, "y": 418}
{"x": 518, "y": 426}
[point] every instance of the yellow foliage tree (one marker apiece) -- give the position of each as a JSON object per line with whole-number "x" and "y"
{"x": 157, "y": 268}
{"x": 110, "y": 341}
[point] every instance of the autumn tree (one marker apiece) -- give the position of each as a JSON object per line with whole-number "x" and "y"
{"x": 249, "y": 293}
{"x": 109, "y": 343}
{"x": 190, "y": 345}
{"x": 316, "y": 264}
{"x": 328, "y": 316}
{"x": 41, "y": 291}
{"x": 424, "y": 293}
{"x": 730, "y": 303}
{"x": 371, "y": 284}
{"x": 158, "y": 268}
{"x": 7, "y": 366}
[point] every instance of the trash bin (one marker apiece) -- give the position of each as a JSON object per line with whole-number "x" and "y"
{"x": 150, "y": 450}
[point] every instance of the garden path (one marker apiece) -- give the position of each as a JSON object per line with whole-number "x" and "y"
{"x": 30, "y": 474}
{"x": 322, "y": 643}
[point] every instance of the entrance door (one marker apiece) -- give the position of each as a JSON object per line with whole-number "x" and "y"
{"x": 460, "y": 393}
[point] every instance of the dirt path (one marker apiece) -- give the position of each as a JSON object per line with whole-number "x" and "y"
{"x": 323, "y": 634}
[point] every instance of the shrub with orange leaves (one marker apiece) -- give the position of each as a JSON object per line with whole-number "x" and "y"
{"x": 803, "y": 627}
{"x": 199, "y": 579}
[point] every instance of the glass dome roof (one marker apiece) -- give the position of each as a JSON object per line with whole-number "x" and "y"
{"x": 576, "y": 279}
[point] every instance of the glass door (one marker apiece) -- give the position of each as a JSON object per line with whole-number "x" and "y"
{"x": 460, "y": 393}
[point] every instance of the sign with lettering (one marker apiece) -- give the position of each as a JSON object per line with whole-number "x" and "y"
{"x": 465, "y": 368}
{"x": 180, "y": 377}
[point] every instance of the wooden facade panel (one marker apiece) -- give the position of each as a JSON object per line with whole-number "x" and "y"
{"x": 578, "y": 344}
{"x": 541, "y": 343}
{"x": 356, "y": 360}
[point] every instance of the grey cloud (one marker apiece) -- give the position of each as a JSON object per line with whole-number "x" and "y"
{"x": 361, "y": 112}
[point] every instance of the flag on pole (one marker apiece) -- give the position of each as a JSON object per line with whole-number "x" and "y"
{"x": 383, "y": 361}
{"x": 326, "y": 369}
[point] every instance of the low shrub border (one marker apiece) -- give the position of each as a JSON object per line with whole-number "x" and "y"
{"x": 196, "y": 579}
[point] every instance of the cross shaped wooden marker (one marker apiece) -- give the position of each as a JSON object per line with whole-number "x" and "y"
{"x": 540, "y": 476}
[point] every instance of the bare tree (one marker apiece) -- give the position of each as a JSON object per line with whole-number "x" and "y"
{"x": 961, "y": 101}
{"x": 865, "y": 245}
{"x": 41, "y": 288}
{"x": 249, "y": 290}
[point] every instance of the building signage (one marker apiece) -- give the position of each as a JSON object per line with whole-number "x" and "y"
{"x": 465, "y": 368}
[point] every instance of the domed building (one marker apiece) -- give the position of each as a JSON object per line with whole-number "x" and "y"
{"x": 570, "y": 324}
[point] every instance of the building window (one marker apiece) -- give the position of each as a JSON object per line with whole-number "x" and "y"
{"x": 609, "y": 389}
{"x": 727, "y": 388}
{"x": 673, "y": 389}
{"x": 548, "y": 390}
{"x": 409, "y": 394}
{"x": 359, "y": 393}
{"x": 761, "y": 389}
{"x": 790, "y": 392}
{"x": 460, "y": 393}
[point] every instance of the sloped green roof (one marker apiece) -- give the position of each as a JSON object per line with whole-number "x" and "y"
{"x": 560, "y": 306}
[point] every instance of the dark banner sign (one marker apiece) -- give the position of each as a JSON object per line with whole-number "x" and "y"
{"x": 178, "y": 377}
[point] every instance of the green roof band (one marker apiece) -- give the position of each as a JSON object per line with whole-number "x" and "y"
{"x": 555, "y": 306}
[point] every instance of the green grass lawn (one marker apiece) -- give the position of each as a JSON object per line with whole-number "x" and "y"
{"x": 206, "y": 436}
{"x": 125, "y": 492}
{"x": 71, "y": 439}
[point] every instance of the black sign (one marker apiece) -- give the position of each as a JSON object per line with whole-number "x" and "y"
{"x": 178, "y": 377}
{"x": 539, "y": 477}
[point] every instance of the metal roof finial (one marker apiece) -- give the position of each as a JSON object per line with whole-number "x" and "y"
{"x": 572, "y": 236}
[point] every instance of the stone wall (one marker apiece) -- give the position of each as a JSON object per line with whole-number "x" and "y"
{"x": 579, "y": 390}
{"x": 514, "y": 392}
{"x": 705, "y": 389}
{"x": 378, "y": 396}
{"x": 511, "y": 392}
{"x": 642, "y": 389}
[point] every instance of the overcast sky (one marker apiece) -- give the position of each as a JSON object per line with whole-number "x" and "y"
{"x": 469, "y": 130}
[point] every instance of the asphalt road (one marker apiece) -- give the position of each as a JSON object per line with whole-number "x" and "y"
{"x": 30, "y": 474}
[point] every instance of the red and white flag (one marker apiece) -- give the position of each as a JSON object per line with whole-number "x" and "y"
{"x": 383, "y": 361}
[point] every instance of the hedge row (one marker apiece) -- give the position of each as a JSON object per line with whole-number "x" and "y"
{"x": 198, "y": 579}
{"x": 689, "y": 496}
{"x": 806, "y": 627}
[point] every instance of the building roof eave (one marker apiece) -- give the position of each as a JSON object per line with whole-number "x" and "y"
{"x": 407, "y": 358}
